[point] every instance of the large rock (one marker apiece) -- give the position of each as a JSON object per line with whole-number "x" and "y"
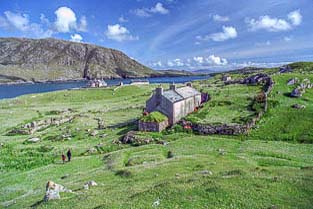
{"x": 53, "y": 191}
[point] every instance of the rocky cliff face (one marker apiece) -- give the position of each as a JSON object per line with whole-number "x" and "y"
{"x": 52, "y": 59}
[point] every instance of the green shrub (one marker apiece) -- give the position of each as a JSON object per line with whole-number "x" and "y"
{"x": 154, "y": 117}
{"x": 123, "y": 173}
{"x": 170, "y": 154}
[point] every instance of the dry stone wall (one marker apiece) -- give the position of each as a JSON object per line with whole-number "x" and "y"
{"x": 236, "y": 129}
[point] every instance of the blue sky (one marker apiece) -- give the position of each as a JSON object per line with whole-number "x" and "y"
{"x": 174, "y": 34}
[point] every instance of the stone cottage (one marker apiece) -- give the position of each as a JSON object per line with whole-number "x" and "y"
{"x": 175, "y": 103}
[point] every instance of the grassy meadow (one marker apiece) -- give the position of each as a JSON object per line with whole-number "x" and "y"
{"x": 271, "y": 167}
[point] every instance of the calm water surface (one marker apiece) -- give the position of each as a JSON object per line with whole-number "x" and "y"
{"x": 11, "y": 91}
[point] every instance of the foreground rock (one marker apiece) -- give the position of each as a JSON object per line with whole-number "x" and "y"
{"x": 134, "y": 138}
{"x": 90, "y": 184}
{"x": 33, "y": 140}
{"x": 298, "y": 106}
{"x": 53, "y": 191}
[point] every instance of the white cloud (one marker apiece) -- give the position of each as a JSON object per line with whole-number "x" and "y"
{"x": 178, "y": 62}
{"x": 119, "y": 33}
{"x": 198, "y": 60}
{"x": 269, "y": 24}
{"x": 44, "y": 19}
{"x": 21, "y": 22}
{"x": 147, "y": 12}
{"x": 83, "y": 24}
{"x": 215, "y": 60}
{"x": 228, "y": 33}
{"x": 65, "y": 20}
{"x": 295, "y": 17}
{"x": 159, "y": 8}
{"x": 122, "y": 19}
{"x": 275, "y": 24}
{"x": 76, "y": 38}
{"x": 157, "y": 64}
{"x": 287, "y": 38}
{"x": 219, "y": 18}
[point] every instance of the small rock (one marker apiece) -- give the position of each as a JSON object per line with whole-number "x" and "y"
{"x": 33, "y": 140}
{"x": 92, "y": 183}
{"x": 206, "y": 172}
{"x": 156, "y": 203}
{"x": 92, "y": 150}
{"x": 86, "y": 187}
{"x": 298, "y": 106}
{"x": 65, "y": 176}
{"x": 94, "y": 133}
{"x": 221, "y": 151}
{"x": 99, "y": 145}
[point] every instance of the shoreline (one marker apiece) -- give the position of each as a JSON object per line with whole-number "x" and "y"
{"x": 87, "y": 80}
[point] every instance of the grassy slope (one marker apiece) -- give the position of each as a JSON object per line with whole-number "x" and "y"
{"x": 283, "y": 122}
{"x": 251, "y": 173}
{"x": 229, "y": 104}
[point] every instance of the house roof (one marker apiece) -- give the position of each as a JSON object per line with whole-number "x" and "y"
{"x": 172, "y": 95}
{"x": 180, "y": 94}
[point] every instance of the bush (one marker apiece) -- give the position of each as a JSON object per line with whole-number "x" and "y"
{"x": 123, "y": 173}
{"x": 170, "y": 154}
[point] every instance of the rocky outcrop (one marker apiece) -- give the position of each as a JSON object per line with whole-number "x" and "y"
{"x": 51, "y": 59}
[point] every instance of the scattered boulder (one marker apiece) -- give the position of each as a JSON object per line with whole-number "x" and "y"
{"x": 33, "y": 140}
{"x": 296, "y": 93}
{"x": 206, "y": 173}
{"x": 90, "y": 184}
{"x": 94, "y": 133}
{"x": 92, "y": 150}
{"x": 53, "y": 191}
{"x": 156, "y": 203}
{"x": 298, "y": 106}
{"x": 65, "y": 176}
{"x": 221, "y": 151}
{"x": 133, "y": 138}
{"x": 292, "y": 81}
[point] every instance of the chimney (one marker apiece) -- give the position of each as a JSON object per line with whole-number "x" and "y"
{"x": 159, "y": 91}
{"x": 189, "y": 84}
{"x": 173, "y": 87}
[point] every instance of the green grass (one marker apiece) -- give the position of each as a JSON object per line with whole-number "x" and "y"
{"x": 282, "y": 122}
{"x": 230, "y": 104}
{"x": 154, "y": 117}
{"x": 259, "y": 170}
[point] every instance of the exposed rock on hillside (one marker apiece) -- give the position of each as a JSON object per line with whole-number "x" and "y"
{"x": 52, "y": 59}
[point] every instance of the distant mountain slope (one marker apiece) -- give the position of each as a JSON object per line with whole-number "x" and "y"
{"x": 52, "y": 59}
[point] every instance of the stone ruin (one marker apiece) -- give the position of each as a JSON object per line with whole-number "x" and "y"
{"x": 152, "y": 126}
{"x": 236, "y": 129}
{"x": 34, "y": 126}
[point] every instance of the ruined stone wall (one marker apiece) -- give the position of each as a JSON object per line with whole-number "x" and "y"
{"x": 225, "y": 129}
{"x": 152, "y": 126}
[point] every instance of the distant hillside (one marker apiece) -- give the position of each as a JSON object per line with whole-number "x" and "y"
{"x": 51, "y": 59}
{"x": 172, "y": 72}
